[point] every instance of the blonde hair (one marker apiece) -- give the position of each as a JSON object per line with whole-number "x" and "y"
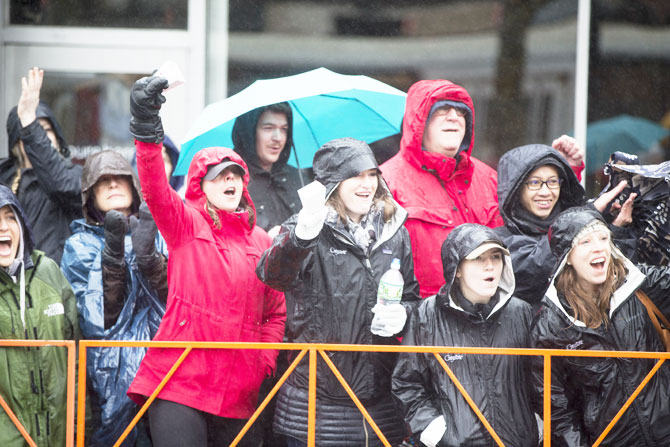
{"x": 592, "y": 311}
{"x": 23, "y": 162}
{"x": 381, "y": 195}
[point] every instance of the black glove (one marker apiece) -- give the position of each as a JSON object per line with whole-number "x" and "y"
{"x": 113, "y": 266}
{"x": 145, "y": 104}
{"x": 152, "y": 264}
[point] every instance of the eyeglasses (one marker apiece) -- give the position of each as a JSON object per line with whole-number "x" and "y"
{"x": 444, "y": 110}
{"x": 535, "y": 184}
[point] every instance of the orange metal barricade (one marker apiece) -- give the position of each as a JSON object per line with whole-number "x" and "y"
{"x": 71, "y": 351}
{"x": 314, "y": 350}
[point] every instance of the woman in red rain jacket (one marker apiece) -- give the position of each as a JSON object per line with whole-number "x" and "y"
{"x": 214, "y": 294}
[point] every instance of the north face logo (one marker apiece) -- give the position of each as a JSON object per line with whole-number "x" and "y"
{"x": 54, "y": 309}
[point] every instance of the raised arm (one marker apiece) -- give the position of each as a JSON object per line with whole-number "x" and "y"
{"x": 173, "y": 218}
{"x": 57, "y": 177}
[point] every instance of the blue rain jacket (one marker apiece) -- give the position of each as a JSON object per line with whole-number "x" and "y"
{"x": 110, "y": 370}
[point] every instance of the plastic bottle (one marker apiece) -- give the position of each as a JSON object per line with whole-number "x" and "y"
{"x": 391, "y": 285}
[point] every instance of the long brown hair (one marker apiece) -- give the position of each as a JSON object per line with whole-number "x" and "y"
{"x": 593, "y": 311}
{"x": 381, "y": 195}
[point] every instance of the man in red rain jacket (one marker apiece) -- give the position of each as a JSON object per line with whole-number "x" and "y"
{"x": 435, "y": 177}
{"x": 437, "y": 180}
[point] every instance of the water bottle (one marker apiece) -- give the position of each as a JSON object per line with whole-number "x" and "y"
{"x": 391, "y": 285}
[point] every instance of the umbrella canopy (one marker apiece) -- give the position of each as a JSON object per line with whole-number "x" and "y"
{"x": 622, "y": 133}
{"x": 326, "y": 105}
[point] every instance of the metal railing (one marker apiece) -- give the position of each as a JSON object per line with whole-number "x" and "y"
{"x": 313, "y": 351}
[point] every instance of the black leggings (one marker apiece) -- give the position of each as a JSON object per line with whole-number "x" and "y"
{"x": 177, "y": 425}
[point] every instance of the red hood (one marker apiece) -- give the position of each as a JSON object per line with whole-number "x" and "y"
{"x": 195, "y": 197}
{"x": 420, "y": 98}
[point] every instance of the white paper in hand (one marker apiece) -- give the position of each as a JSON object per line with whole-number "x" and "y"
{"x": 312, "y": 196}
{"x": 170, "y": 71}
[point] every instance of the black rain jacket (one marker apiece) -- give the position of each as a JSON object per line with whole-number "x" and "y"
{"x": 528, "y": 244}
{"x": 331, "y": 285}
{"x": 50, "y": 192}
{"x": 587, "y": 392}
{"x": 275, "y": 193}
{"x": 499, "y": 385}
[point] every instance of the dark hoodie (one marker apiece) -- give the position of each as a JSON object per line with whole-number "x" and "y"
{"x": 587, "y": 392}
{"x": 524, "y": 234}
{"x": 50, "y": 191}
{"x": 331, "y": 285}
{"x": 274, "y": 193}
{"x": 498, "y": 384}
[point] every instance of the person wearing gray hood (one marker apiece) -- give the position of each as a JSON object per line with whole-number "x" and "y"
{"x": 38, "y": 169}
{"x": 475, "y": 308}
{"x": 116, "y": 263}
{"x": 328, "y": 260}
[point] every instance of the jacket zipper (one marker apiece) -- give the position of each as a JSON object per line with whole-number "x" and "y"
{"x": 621, "y": 365}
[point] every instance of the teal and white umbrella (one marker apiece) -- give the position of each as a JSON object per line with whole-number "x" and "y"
{"x": 326, "y": 105}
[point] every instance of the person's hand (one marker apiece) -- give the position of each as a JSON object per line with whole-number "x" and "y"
{"x": 389, "y": 319}
{"x": 434, "y": 432}
{"x": 310, "y": 222}
{"x": 116, "y": 227}
{"x": 625, "y": 215}
{"x": 570, "y": 149}
{"x": 625, "y": 211}
{"x": 143, "y": 233}
{"x": 605, "y": 199}
{"x": 30, "y": 96}
{"x": 145, "y": 104}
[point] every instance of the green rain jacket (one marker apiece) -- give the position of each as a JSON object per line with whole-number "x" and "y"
{"x": 33, "y": 380}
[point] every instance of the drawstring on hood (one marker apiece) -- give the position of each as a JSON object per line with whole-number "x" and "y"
{"x": 19, "y": 265}
{"x": 22, "y": 261}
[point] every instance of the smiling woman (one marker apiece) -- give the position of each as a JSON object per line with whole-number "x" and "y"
{"x": 591, "y": 304}
{"x": 329, "y": 260}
